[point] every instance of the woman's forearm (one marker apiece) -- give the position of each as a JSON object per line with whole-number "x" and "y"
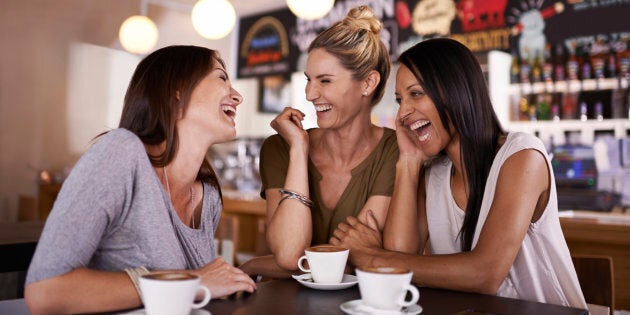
{"x": 82, "y": 291}
{"x": 401, "y": 232}
{"x": 289, "y": 228}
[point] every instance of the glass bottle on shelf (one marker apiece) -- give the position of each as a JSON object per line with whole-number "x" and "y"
{"x": 523, "y": 108}
{"x": 533, "y": 112}
{"x": 598, "y": 51}
{"x": 547, "y": 67}
{"x": 558, "y": 63}
{"x": 569, "y": 106}
{"x": 599, "y": 111}
{"x": 525, "y": 69}
{"x": 536, "y": 68}
{"x": 583, "y": 111}
{"x": 611, "y": 65}
{"x": 623, "y": 58}
{"x": 586, "y": 68}
{"x": 555, "y": 108}
{"x": 543, "y": 106}
{"x": 572, "y": 65}
{"x": 514, "y": 68}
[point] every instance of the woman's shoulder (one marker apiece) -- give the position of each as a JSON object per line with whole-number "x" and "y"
{"x": 118, "y": 144}
{"x": 119, "y": 137}
{"x": 274, "y": 142}
{"x": 523, "y": 137}
{"x": 517, "y": 141}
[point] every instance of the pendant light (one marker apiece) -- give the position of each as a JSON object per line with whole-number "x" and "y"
{"x": 138, "y": 34}
{"x": 213, "y": 19}
{"x": 310, "y": 9}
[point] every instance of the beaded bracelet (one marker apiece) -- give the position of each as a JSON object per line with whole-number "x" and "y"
{"x": 293, "y": 195}
{"x": 134, "y": 274}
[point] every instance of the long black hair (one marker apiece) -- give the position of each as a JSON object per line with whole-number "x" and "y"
{"x": 452, "y": 77}
{"x": 159, "y": 92}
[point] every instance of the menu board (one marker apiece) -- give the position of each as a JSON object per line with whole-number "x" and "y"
{"x": 276, "y": 42}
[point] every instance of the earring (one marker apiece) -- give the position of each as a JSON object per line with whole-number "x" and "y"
{"x": 364, "y": 93}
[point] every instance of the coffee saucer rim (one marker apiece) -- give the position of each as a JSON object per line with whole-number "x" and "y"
{"x": 348, "y": 307}
{"x": 347, "y": 281}
{"x": 142, "y": 311}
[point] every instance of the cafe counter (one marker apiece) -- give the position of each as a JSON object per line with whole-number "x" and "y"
{"x": 602, "y": 233}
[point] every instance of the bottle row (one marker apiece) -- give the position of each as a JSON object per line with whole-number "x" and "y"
{"x": 572, "y": 62}
{"x": 582, "y": 105}
{"x": 567, "y": 86}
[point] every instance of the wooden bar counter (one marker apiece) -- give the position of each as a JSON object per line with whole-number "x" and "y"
{"x": 602, "y": 233}
{"x": 245, "y": 213}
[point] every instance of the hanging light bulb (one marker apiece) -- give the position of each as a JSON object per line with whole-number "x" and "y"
{"x": 310, "y": 9}
{"x": 138, "y": 34}
{"x": 213, "y": 19}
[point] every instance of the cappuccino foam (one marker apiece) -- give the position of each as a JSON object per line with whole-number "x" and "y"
{"x": 386, "y": 270}
{"x": 325, "y": 249}
{"x": 170, "y": 276}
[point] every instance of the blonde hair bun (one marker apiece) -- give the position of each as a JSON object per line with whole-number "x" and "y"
{"x": 362, "y": 17}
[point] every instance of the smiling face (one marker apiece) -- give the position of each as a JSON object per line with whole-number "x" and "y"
{"x": 212, "y": 107}
{"x": 330, "y": 87}
{"x": 418, "y": 113}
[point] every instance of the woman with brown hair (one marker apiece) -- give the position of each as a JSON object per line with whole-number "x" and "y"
{"x": 144, "y": 196}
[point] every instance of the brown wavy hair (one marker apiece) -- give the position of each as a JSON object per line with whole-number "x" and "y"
{"x": 159, "y": 91}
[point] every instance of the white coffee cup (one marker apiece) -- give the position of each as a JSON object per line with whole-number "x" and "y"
{"x": 385, "y": 288}
{"x": 172, "y": 293}
{"x": 327, "y": 263}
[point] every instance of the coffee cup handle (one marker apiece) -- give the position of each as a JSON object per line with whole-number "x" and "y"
{"x": 300, "y": 264}
{"x": 206, "y": 297}
{"x": 415, "y": 295}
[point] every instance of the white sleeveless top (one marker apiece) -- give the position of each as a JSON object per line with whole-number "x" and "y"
{"x": 543, "y": 270}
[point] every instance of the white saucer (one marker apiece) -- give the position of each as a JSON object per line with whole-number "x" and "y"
{"x": 307, "y": 281}
{"x": 141, "y": 311}
{"x": 356, "y": 307}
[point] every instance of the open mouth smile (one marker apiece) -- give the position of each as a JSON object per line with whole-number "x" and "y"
{"x": 229, "y": 110}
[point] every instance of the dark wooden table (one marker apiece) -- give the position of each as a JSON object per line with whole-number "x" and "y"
{"x": 289, "y": 297}
{"x": 17, "y": 244}
{"x": 18, "y": 241}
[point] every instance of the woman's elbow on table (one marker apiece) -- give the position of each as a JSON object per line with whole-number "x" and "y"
{"x": 489, "y": 281}
{"x": 287, "y": 260}
{"x": 41, "y": 299}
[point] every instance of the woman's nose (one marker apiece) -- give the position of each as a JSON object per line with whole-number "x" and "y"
{"x": 236, "y": 96}
{"x": 404, "y": 110}
{"x": 312, "y": 93}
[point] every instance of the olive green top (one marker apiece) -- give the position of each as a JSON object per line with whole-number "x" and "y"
{"x": 372, "y": 177}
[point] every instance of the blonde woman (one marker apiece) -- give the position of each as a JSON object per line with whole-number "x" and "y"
{"x": 314, "y": 179}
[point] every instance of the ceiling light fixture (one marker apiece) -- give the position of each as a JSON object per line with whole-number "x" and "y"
{"x": 138, "y": 34}
{"x": 212, "y": 19}
{"x": 310, "y": 9}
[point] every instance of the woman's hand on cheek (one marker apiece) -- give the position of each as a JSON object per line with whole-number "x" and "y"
{"x": 408, "y": 143}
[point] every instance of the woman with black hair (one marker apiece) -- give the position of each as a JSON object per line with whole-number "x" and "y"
{"x": 474, "y": 208}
